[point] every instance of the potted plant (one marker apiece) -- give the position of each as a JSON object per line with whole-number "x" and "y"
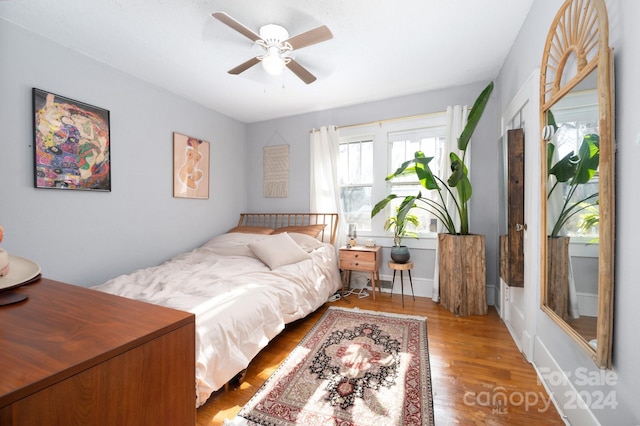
{"x": 399, "y": 252}
{"x": 458, "y": 249}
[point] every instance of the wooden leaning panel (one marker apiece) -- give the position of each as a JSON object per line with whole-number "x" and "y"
{"x": 280, "y": 220}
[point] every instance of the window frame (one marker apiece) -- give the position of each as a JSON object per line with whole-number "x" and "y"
{"x": 382, "y": 167}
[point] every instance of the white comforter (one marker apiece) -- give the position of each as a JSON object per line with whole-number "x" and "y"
{"x": 239, "y": 303}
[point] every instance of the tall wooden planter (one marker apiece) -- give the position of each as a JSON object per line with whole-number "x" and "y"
{"x": 462, "y": 274}
{"x": 558, "y": 275}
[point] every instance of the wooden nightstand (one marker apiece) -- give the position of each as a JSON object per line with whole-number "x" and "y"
{"x": 361, "y": 258}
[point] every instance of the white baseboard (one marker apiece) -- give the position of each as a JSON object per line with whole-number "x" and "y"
{"x": 565, "y": 397}
{"x": 588, "y": 304}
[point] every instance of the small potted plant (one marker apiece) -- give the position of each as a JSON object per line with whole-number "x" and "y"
{"x": 400, "y": 253}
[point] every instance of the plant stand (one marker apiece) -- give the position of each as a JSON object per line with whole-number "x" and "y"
{"x": 462, "y": 274}
{"x": 401, "y": 267}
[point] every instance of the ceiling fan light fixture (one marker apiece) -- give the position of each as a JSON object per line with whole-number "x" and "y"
{"x": 272, "y": 62}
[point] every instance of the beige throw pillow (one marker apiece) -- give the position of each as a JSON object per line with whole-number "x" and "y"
{"x": 278, "y": 250}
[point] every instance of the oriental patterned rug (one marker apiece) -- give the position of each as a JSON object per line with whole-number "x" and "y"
{"x": 354, "y": 367}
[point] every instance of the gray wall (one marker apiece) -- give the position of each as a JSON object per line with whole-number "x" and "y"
{"x": 295, "y": 132}
{"x": 525, "y": 56}
{"x": 85, "y": 237}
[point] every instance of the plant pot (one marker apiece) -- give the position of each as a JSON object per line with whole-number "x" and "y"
{"x": 400, "y": 254}
{"x": 462, "y": 274}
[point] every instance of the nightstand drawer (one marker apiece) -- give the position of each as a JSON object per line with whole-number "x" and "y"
{"x": 357, "y": 265}
{"x": 358, "y": 260}
{"x": 362, "y": 256}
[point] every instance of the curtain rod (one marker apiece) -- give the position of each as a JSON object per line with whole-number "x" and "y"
{"x": 381, "y": 122}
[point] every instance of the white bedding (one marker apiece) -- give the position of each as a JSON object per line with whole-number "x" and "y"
{"x": 239, "y": 303}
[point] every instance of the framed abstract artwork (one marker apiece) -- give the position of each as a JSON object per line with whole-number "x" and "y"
{"x": 71, "y": 144}
{"x": 190, "y": 167}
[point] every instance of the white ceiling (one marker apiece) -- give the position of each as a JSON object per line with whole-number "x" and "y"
{"x": 380, "y": 49}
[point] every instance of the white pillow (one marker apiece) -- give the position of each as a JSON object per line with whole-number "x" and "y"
{"x": 305, "y": 242}
{"x": 278, "y": 250}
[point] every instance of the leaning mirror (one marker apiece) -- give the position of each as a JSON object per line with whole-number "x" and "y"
{"x": 578, "y": 176}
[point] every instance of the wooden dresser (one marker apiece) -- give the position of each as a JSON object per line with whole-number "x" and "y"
{"x": 74, "y": 356}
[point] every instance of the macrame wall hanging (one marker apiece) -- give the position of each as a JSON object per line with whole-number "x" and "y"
{"x": 276, "y": 169}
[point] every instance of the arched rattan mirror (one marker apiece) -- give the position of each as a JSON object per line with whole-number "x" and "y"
{"x": 576, "y": 108}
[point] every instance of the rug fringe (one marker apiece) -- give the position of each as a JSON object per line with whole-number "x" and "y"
{"x": 381, "y": 313}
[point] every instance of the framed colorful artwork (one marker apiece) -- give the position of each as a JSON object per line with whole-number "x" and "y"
{"x": 190, "y": 167}
{"x": 71, "y": 144}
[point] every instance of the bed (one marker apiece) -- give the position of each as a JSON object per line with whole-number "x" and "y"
{"x": 243, "y": 286}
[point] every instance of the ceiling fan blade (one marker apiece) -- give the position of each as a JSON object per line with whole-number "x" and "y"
{"x": 226, "y": 19}
{"x": 310, "y": 37}
{"x": 244, "y": 66}
{"x": 301, "y": 72}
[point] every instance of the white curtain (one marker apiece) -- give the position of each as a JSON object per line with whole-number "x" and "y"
{"x": 456, "y": 120}
{"x": 554, "y": 207}
{"x": 325, "y": 188}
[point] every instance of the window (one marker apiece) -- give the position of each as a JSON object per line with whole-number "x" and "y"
{"x": 369, "y": 153}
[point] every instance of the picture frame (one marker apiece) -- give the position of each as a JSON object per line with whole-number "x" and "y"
{"x": 71, "y": 143}
{"x": 190, "y": 167}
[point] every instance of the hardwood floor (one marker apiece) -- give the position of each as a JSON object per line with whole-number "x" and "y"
{"x": 478, "y": 375}
{"x": 587, "y": 327}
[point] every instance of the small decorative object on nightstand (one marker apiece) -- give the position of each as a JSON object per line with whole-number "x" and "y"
{"x": 401, "y": 267}
{"x": 360, "y": 258}
{"x": 352, "y": 235}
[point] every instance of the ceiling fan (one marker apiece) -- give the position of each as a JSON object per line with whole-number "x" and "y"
{"x": 277, "y": 46}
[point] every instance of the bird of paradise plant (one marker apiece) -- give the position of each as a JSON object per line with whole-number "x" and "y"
{"x": 459, "y": 178}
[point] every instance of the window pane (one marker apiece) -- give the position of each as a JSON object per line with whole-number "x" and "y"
{"x": 355, "y": 164}
{"x": 366, "y": 171}
{"x": 404, "y": 147}
{"x": 356, "y": 206}
{"x": 356, "y": 179}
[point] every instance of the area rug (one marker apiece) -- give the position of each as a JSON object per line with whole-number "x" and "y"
{"x": 354, "y": 367}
